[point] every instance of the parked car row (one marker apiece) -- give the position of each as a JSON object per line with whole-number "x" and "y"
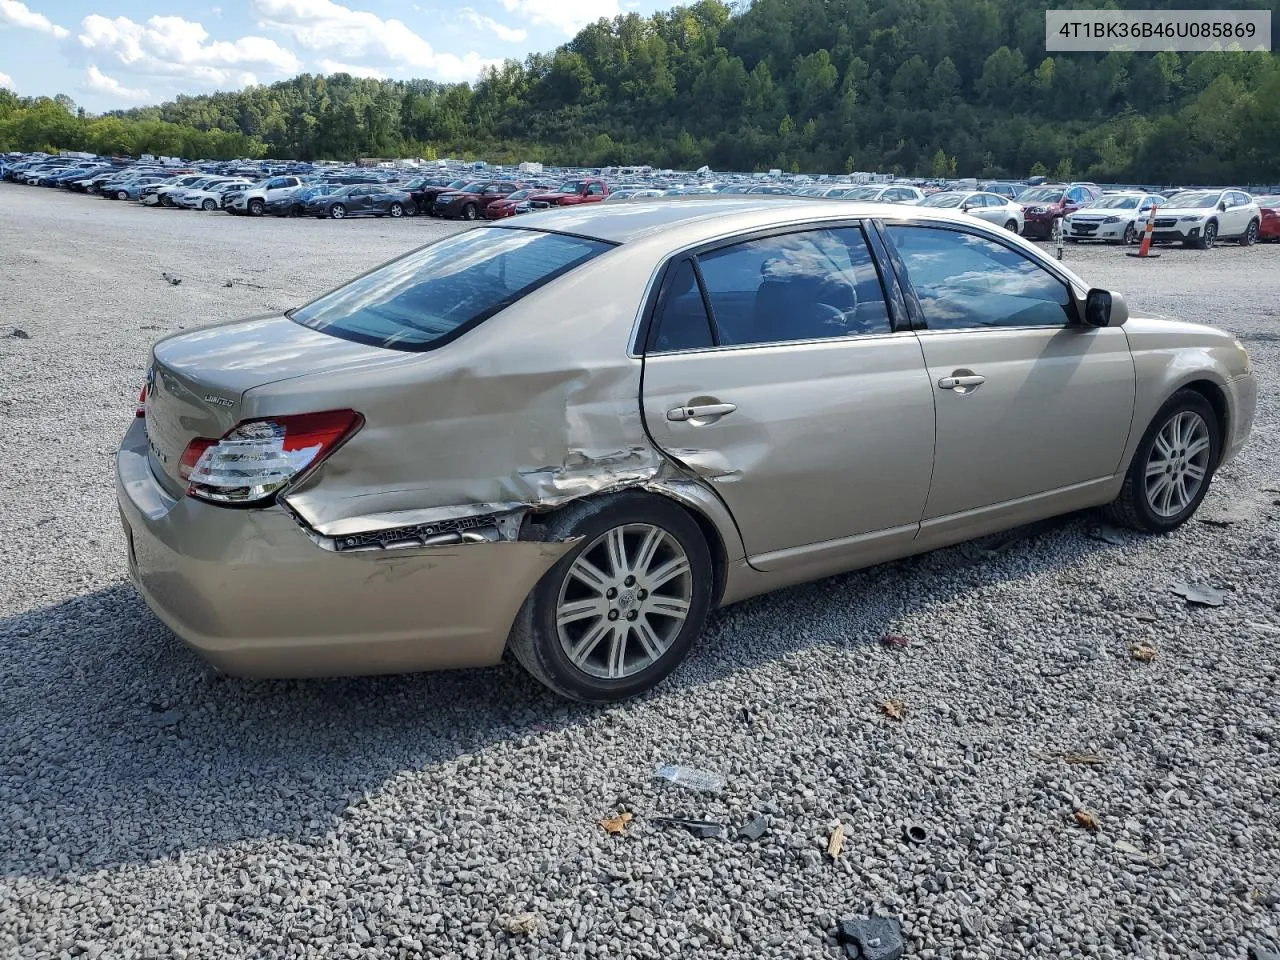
{"x": 1083, "y": 211}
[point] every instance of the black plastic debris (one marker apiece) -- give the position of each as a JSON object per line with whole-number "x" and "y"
{"x": 19, "y": 334}
{"x": 754, "y": 829}
{"x": 1260, "y": 953}
{"x": 871, "y": 938}
{"x": 702, "y": 829}
{"x": 1200, "y": 595}
{"x": 173, "y": 281}
{"x": 915, "y": 832}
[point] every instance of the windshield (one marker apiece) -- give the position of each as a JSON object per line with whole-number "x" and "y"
{"x": 862, "y": 193}
{"x": 456, "y": 184}
{"x": 1116, "y": 203}
{"x": 519, "y": 194}
{"x": 1040, "y": 195}
{"x": 944, "y": 200}
{"x": 438, "y": 292}
{"x": 1194, "y": 199}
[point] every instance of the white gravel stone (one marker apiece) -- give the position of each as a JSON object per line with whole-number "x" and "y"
{"x": 151, "y": 808}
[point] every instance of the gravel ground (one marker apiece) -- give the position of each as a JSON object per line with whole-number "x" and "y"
{"x": 151, "y": 808}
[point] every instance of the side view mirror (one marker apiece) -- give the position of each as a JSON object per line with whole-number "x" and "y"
{"x": 1102, "y": 308}
{"x": 964, "y": 208}
{"x": 1222, "y": 205}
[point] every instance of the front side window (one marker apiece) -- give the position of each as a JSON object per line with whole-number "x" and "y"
{"x": 965, "y": 281}
{"x": 436, "y": 293}
{"x": 809, "y": 285}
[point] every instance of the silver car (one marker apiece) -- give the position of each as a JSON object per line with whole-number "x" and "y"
{"x": 986, "y": 206}
{"x": 575, "y": 434}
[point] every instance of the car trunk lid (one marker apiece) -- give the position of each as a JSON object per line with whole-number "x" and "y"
{"x": 198, "y": 379}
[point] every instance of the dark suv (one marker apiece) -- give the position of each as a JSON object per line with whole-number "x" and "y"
{"x": 1050, "y": 202}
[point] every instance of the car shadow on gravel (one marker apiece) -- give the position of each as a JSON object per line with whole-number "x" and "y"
{"x": 121, "y": 746}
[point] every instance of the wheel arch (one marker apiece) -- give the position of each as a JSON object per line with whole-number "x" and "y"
{"x": 1217, "y": 399}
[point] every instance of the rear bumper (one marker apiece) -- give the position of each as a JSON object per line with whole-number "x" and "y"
{"x": 256, "y": 596}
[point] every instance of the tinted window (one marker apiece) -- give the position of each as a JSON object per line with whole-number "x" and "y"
{"x": 681, "y": 322}
{"x": 595, "y": 190}
{"x": 798, "y": 286}
{"x": 966, "y": 281}
{"x": 435, "y": 293}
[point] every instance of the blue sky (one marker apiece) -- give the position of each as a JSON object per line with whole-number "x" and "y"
{"x": 107, "y": 54}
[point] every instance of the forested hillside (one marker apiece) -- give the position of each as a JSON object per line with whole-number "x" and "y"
{"x": 926, "y": 87}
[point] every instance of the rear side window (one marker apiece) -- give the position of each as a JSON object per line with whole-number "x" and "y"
{"x": 808, "y": 285}
{"x": 681, "y": 322}
{"x": 437, "y": 293}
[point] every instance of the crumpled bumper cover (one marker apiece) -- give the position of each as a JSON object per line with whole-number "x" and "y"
{"x": 256, "y": 595}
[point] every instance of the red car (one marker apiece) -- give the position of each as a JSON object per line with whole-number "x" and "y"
{"x": 468, "y": 202}
{"x": 1269, "y": 227}
{"x": 1048, "y": 203}
{"x": 571, "y": 193}
{"x": 511, "y": 205}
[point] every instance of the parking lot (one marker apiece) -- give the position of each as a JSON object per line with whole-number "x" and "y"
{"x": 150, "y": 807}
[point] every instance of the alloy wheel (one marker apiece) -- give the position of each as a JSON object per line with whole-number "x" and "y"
{"x": 1130, "y": 234}
{"x": 1178, "y": 464}
{"x": 624, "y": 600}
{"x": 1210, "y": 234}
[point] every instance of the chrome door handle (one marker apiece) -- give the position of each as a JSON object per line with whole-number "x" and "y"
{"x": 701, "y": 411}
{"x": 966, "y": 380}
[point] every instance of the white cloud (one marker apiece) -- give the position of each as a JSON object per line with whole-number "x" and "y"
{"x": 17, "y": 14}
{"x": 325, "y": 27}
{"x": 499, "y": 30}
{"x": 336, "y": 66}
{"x": 172, "y": 46}
{"x": 567, "y": 16}
{"x": 100, "y": 82}
{"x": 6, "y": 82}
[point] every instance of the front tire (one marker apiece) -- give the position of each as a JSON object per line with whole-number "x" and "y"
{"x": 620, "y": 611}
{"x": 469, "y": 212}
{"x": 256, "y": 207}
{"x": 1011, "y": 226}
{"x": 209, "y": 205}
{"x": 122, "y": 195}
{"x": 1130, "y": 235}
{"x": 396, "y": 210}
{"x": 1210, "y": 236}
{"x": 1172, "y": 467}
{"x": 338, "y": 211}
{"x": 1250, "y": 236}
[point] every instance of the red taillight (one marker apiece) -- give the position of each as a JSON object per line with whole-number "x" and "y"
{"x": 258, "y": 457}
{"x": 191, "y": 455}
{"x": 142, "y": 403}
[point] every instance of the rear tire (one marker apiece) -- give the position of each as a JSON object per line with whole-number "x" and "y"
{"x": 1140, "y": 504}
{"x": 628, "y": 646}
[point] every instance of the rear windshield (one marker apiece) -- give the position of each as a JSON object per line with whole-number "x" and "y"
{"x": 437, "y": 293}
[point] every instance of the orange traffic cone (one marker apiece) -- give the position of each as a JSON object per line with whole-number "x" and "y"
{"x": 1144, "y": 248}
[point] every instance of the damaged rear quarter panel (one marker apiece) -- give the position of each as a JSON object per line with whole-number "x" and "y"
{"x": 537, "y": 406}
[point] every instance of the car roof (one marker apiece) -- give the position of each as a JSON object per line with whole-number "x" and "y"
{"x": 699, "y": 216}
